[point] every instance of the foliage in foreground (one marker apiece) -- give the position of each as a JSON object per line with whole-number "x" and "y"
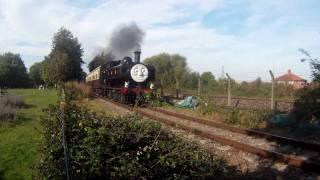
{"x": 107, "y": 147}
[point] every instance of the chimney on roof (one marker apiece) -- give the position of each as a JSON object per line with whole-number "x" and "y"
{"x": 289, "y": 71}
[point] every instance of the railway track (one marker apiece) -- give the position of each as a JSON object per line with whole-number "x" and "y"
{"x": 265, "y": 145}
{"x": 250, "y": 132}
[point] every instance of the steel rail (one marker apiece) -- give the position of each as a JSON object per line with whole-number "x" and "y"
{"x": 250, "y": 132}
{"x": 307, "y": 165}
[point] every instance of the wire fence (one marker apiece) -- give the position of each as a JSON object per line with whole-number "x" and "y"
{"x": 61, "y": 117}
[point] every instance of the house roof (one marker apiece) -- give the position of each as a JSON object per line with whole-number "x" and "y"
{"x": 289, "y": 76}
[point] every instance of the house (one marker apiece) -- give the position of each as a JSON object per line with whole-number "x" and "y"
{"x": 291, "y": 79}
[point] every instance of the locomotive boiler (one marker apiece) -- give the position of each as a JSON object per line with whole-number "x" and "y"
{"x": 123, "y": 80}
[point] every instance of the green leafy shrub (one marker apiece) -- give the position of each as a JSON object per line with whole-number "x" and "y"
{"x": 124, "y": 147}
{"x": 13, "y": 101}
{"x": 307, "y": 104}
{"x": 156, "y": 100}
{"x": 246, "y": 118}
{"x": 243, "y": 117}
{"x": 77, "y": 91}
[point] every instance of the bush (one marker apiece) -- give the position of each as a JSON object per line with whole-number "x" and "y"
{"x": 156, "y": 100}
{"x": 246, "y": 118}
{"x": 307, "y": 104}
{"x": 243, "y": 117}
{"x": 77, "y": 91}
{"x": 123, "y": 147}
{"x": 13, "y": 101}
{"x": 8, "y": 107}
{"x": 7, "y": 113}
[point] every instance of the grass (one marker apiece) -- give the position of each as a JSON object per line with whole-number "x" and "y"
{"x": 99, "y": 106}
{"x": 19, "y": 142}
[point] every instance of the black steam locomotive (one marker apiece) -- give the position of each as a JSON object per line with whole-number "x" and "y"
{"x": 123, "y": 80}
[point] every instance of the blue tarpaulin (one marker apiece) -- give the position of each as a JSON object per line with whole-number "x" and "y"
{"x": 188, "y": 102}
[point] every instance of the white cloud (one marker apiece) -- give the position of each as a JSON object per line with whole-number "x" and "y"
{"x": 268, "y": 40}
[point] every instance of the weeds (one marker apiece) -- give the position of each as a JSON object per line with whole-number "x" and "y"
{"x": 156, "y": 100}
{"x": 77, "y": 91}
{"x": 8, "y": 107}
{"x": 243, "y": 117}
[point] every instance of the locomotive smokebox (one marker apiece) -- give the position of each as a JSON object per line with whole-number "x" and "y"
{"x": 137, "y": 54}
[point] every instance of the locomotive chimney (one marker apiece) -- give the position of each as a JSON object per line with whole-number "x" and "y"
{"x": 137, "y": 54}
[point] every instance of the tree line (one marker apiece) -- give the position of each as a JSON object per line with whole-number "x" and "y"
{"x": 62, "y": 64}
{"x": 174, "y": 74}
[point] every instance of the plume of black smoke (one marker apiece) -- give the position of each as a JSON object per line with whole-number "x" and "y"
{"x": 126, "y": 38}
{"x": 99, "y": 59}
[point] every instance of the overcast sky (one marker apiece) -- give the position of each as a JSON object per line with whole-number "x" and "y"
{"x": 246, "y": 37}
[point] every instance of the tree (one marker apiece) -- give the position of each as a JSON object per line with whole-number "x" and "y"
{"x": 65, "y": 59}
{"x": 207, "y": 80}
{"x": 13, "y": 72}
{"x": 179, "y": 65}
{"x": 100, "y": 59}
{"x": 34, "y": 74}
{"x": 307, "y": 105}
{"x": 314, "y": 63}
{"x": 258, "y": 82}
{"x": 55, "y": 70}
{"x": 191, "y": 80}
{"x": 164, "y": 69}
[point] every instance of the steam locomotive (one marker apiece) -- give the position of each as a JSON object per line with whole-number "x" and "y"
{"x": 124, "y": 80}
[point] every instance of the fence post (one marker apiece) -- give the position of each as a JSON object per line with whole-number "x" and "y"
{"x": 229, "y": 89}
{"x": 63, "y": 129}
{"x": 199, "y": 86}
{"x": 272, "y": 90}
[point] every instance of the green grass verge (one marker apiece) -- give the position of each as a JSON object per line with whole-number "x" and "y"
{"x": 19, "y": 143}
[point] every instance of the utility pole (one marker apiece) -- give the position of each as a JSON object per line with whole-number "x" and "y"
{"x": 272, "y": 90}
{"x": 229, "y": 89}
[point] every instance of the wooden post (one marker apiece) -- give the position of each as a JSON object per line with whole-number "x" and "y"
{"x": 199, "y": 86}
{"x": 229, "y": 89}
{"x": 272, "y": 90}
{"x": 63, "y": 129}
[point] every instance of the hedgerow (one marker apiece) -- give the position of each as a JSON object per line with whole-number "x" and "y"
{"x": 100, "y": 146}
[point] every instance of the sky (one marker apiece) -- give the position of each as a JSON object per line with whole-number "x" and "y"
{"x": 246, "y": 38}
